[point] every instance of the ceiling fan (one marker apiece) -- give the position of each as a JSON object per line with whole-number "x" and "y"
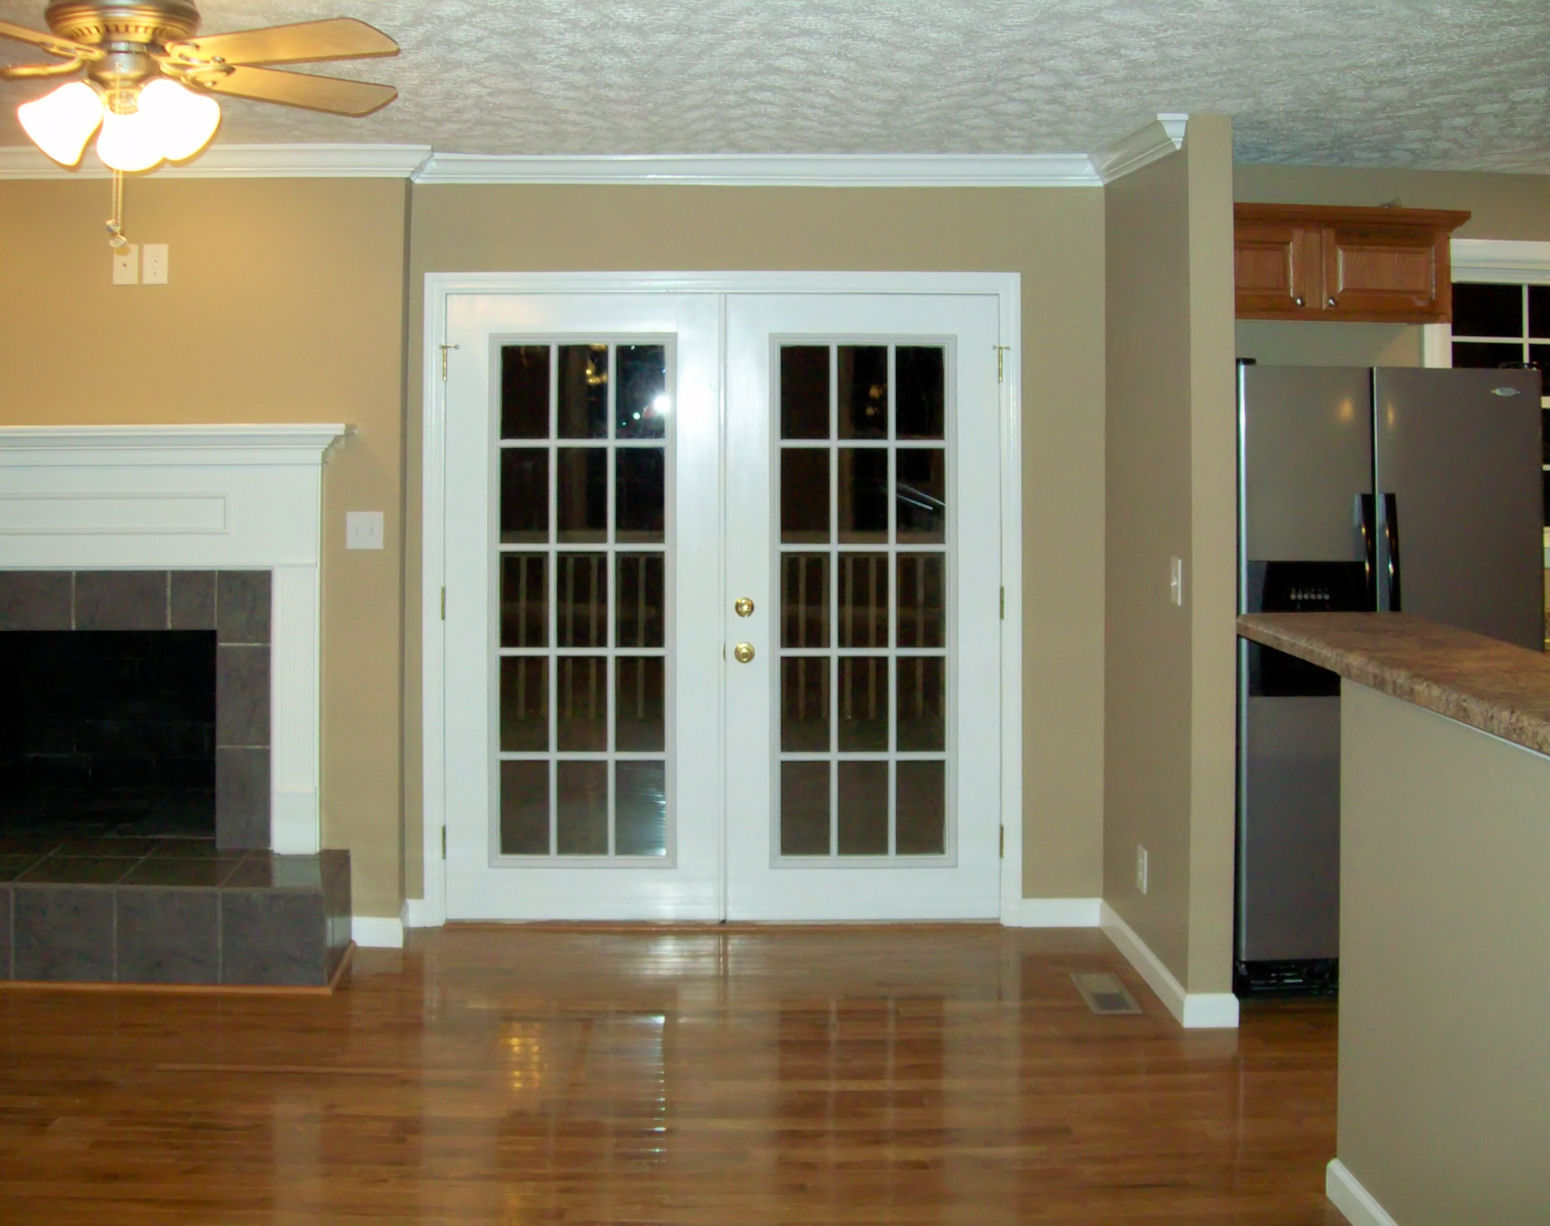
{"x": 151, "y": 80}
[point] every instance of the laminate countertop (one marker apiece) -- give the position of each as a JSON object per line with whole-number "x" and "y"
{"x": 1483, "y": 682}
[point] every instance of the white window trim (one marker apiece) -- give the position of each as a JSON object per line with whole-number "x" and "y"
{"x": 1485, "y": 259}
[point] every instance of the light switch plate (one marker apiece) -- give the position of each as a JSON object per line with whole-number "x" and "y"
{"x": 126, "y": 264}
{"x": 1176, "y": 581}
{"x": 363, "y": 529}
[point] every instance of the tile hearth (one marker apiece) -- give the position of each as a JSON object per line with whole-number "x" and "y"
{"x": 169, "y": 911}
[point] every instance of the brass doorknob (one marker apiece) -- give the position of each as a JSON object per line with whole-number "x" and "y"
{"x": 743, "y": 607}
{"x": 743, "y": 652}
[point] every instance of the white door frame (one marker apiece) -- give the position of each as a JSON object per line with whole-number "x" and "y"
{"x": 430, "y": 909}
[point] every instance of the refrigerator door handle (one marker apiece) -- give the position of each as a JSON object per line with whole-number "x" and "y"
{"x": 1365, "y": 514}
{"x": 1391, "y": 547}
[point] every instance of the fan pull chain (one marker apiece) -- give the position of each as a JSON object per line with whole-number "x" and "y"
{"x": 116, "y": 239}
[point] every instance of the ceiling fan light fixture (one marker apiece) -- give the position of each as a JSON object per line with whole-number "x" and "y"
{"x": 62, "y": 121}
{"x": 129, "y": 141}
{"x": 184, "y": 120}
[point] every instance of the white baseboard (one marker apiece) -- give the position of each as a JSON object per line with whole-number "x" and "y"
{"x": 377, "y": 931}
{"x": 1346, "y": 1193}
{"x": 1050, "y": 912}
{"x": 1193, "y": 1010}
{"x": 422, "y": 913}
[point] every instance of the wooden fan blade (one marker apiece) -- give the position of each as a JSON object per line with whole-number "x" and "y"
{"x": 51, "y": 43}
{"x": 332, "y": 94}
{"x": 340, "y": 38}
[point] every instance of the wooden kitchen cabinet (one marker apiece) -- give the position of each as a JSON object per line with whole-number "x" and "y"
{"x": 1295, "y": 261}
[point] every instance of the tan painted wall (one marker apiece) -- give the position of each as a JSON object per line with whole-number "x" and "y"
{"x": 1502, "y": 206}
{"x": 285, "y": 303}
{"x": 1444, "y": 936}
{"x": 1170, "y": 492}
{"x": 1053, "y": 237}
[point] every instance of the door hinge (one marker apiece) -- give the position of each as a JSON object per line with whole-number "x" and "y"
{"x": 443, "y": 604}
{"x": 1003, "y": 604}
{"x": 443, "y": 842}
{"x": 1001, "y": 351}
{"x": 444, "y": 349}
{"x": 1000, "y": 848}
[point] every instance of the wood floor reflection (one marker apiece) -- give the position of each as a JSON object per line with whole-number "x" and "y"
{"x": 727, "y": 1076}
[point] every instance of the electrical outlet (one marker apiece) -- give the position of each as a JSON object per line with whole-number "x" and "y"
{"x": 126, "y": 264}
{"x": 1176, "y": 581}
{"x": 1140, "y": 868}
{"x": 153, "y": 267}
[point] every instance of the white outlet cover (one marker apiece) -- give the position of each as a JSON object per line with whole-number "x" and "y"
{"x": 153, "y": 266}
{"x": 363, "y": 529}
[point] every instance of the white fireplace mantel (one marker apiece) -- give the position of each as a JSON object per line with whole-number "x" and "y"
{"x": 217, "y": 497}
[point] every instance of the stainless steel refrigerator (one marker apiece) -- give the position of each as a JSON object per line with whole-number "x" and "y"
{"x": 1414, "y": 490}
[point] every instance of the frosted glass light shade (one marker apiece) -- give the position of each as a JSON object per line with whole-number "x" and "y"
{"x": 129, "y": 142}
{"x": 60, "y": 123}
{"x": 184, "y": 120}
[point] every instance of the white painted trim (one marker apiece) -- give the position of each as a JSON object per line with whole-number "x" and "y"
{"x": 215, "y": 497}
{"x": 1492, "y": 259}
{"x": 1198, "y": 1010}
{"x": 1052, "y": 913}
{"x": 421, "y": 164}
{"x": 430, "y": 909}
{"x": 1158, "y": 139}
{"x": 377, "y": 931}
{"x": 1355, "y": 1202}
{"x": 1012, "y": 584}
{"x": 417, "y": 913}
{"x": 747, "y": 170}
{"x": 242, "y": 162}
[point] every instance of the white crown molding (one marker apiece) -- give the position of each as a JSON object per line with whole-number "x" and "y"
{"x": 1492, "y": 259}
{"x": 421, "y": 164}
{"x": 775, "y": 170}
{"x": 242, "y": 162}
{"x": 1164, "y": 135}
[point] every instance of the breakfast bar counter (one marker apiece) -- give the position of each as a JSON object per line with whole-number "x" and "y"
{"x": 1482, "y": 682}
{"x": 1444, "y": 1066}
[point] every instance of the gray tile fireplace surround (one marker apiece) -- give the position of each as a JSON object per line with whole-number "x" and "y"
{"x": 212, "y": 911}
{"x": 233, "y": 603}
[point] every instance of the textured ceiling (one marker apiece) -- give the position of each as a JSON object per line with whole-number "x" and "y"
{"x": 1440, "y": 84}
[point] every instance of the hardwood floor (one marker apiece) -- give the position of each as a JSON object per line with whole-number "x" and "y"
{"x": 726, "y": 1076}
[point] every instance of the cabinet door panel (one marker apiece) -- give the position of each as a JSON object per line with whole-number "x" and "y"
{"x": 1272, "y": 269}
{"x": 1396, "y": 275}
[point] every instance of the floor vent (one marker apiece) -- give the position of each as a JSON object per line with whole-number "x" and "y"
{"x": 1104, "y": 993}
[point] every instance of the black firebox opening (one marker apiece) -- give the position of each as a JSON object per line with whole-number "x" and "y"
{"x": 107, "y": 732}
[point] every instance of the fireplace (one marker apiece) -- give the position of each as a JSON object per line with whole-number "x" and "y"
{"x": 125, "y": 535}
{"x": 145, "y": 527}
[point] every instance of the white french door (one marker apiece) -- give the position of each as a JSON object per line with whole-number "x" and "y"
{"x": 721, "y": 635}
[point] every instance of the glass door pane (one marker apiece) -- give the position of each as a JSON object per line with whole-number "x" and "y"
{"x": 584, "y": 672}
{"x": 871, "y": 419}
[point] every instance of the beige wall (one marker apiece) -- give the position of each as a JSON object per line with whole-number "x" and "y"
{"x": 285, "y": 303}
{"x": 1053, "y": 237}
{"x": 1444, "y": 936}
{"x": 1501, "y": 206}
{"x": 1170, "y": 493}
